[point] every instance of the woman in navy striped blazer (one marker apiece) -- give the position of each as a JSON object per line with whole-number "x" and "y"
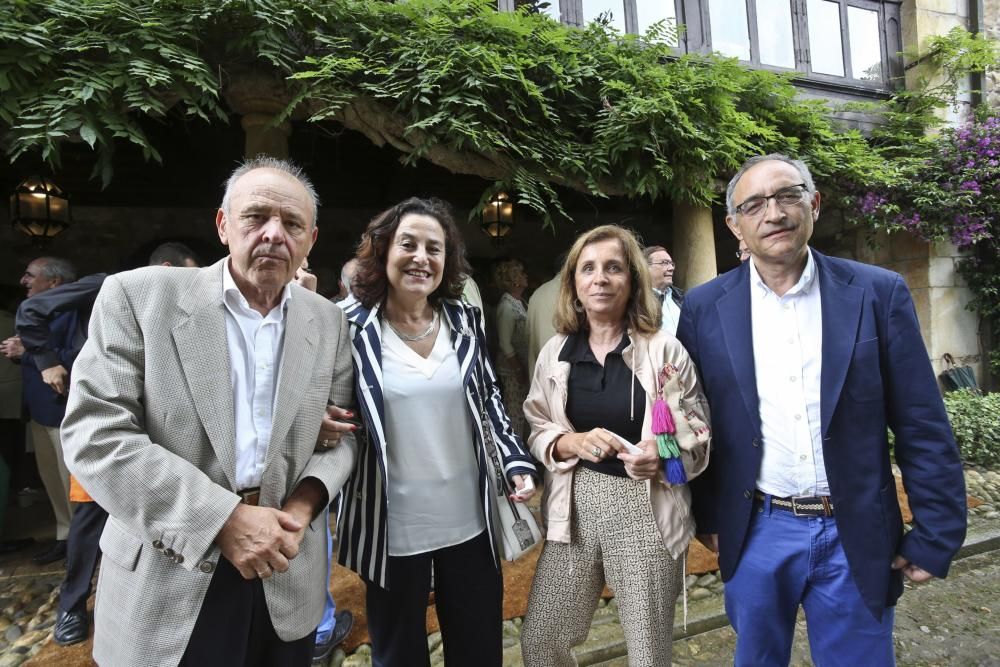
{"x": 420, "y": 496}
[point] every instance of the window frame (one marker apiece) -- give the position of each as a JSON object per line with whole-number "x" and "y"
{"x": 697, "y": 38}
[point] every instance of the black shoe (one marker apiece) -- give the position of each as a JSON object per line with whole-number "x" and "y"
{"x": 10, "y": 546}
{"x": 56, "y": 552}
{"x": 72, "y": 627}
{"x": 344, "y": 622}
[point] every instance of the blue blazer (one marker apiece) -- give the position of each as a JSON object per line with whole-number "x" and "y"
{"x": 44, "y": 405}
{"x": 876, "y": 374}
{"x": 363, "y": 518}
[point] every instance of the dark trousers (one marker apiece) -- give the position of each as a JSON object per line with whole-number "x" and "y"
{"x": 82, "y": 550}
{"x": 468, "y": 593}
{"x": 234, "y": 627}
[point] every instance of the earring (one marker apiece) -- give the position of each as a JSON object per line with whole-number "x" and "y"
{"x": 577, "y": 305}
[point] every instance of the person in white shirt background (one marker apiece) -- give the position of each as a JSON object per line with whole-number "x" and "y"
{"x": 670, "y": 297}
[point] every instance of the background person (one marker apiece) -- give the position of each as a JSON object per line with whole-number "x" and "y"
{"x": 612, "y": 517}
{"x": 541, "y": 311}
{"x": 417, "y": 498}
{"x": 669, "y": 296}
{"x": 44, "y": 391}
{"x": 512, "y": 339}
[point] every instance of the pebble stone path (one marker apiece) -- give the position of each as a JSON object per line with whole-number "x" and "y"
{"x": 28, "y": 602}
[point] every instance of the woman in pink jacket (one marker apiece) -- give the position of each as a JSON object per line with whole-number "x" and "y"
{"x": 620, "y": 424}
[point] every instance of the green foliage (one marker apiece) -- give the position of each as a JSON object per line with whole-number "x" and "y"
{"x": 517, "y": 98}
{"x": 87, "y": 70}
{"x": 975, "y": 419}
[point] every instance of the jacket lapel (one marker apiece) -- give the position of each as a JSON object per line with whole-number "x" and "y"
{"x": 841, "y": 307}
{"x": 734, "y": 317}
{"x": 203, "y": 350}
{"x": 297, "y": 349}
{"x": 366, "y": 349}
{"x": 463, "y": 339}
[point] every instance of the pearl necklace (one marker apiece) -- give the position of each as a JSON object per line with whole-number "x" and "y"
{"x": 412, "y": 339}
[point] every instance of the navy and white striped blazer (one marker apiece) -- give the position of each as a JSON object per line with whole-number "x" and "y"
{"x": 363, "y": 520}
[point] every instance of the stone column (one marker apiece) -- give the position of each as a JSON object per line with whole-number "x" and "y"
{"x": 693, "y": 249}
{"x": 259, "y": 96}
{"x": 263, "y": 137}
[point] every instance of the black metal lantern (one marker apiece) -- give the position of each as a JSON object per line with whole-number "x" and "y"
{"x": 39, "y": 208}
{"x": 497, "y": 218}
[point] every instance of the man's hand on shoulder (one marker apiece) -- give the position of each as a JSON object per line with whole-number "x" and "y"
{"x": 914, "y": 573}
{"x": 259, "y": 541}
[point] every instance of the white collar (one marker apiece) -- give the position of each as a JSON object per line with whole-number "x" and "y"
{"x": 232, "y": 295}
{"x": 804, "y": 284}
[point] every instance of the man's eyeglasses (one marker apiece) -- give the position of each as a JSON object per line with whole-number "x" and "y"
{"x": 785, "y": 197}
{"x": 666, "y": 263}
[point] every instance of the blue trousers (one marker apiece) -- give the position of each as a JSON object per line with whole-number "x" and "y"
{"x": 790, "y": 560}
{"x": 328, "y": 623}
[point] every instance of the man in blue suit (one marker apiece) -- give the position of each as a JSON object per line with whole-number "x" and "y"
{"x": 806, "y": 360}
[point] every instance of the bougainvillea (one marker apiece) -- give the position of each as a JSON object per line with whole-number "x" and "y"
{"x": 951, "y": 193}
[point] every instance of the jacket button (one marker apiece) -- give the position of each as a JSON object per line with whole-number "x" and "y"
{"x": 747, "y": 494}
{"x": 178, "y": 559}
{"x": 206, "y": 566}
{"x": 158, "y": 545}
{"x": 756, "y": 442}
{"x": 168, "y": 552}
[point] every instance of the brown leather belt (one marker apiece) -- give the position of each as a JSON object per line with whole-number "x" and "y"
{"x": 250, "y": 496}
{"x": 800, "y": 505}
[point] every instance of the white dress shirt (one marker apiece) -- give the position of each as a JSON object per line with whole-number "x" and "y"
{"x": 669, "y": 310}
{"x": 788, "y": 354}
{"x": 255, "y": 344}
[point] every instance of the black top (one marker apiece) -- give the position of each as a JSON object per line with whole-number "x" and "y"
{"x": 598, "y": 396}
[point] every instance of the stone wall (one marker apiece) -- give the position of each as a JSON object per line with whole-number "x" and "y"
{"x": 991, "y": 27}
{"x": 939, "y": 294}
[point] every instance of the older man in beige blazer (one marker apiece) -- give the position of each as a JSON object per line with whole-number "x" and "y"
{"x": 194, "y": 418}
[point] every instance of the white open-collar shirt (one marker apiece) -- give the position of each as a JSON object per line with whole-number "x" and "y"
{"x": 788, "y": 355}
{"x": 255, "y": 343}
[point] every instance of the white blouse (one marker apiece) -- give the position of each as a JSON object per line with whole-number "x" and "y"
{"x": 433, "y": 496}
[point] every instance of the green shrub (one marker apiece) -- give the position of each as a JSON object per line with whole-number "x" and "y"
{"x": 975, "y": 419}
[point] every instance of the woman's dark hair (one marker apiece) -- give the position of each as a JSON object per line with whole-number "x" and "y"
{"x": 371, "y": 284}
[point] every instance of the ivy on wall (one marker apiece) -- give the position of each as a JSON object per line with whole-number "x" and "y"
{"x": 515, "y": 98}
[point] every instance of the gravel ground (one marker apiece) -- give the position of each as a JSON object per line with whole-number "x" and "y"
{"x": 954, "y": 622}
{"x": 27, "y": 614}
{"x": 950, "y": 622}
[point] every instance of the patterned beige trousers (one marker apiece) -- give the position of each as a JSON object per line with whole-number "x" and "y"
{"x": 614, "y": 540}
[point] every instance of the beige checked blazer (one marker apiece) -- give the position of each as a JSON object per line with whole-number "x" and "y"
{"x": 150, "y": 433}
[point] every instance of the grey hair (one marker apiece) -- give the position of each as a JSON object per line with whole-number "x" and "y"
{"x": 346, "y": 277}
{"x": 799, "y": 165}
{"x": 278, "y": 164}
{"x": 57, "y": 268}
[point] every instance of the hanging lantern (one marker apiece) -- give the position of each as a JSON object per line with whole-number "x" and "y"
{"x": 39, "y": 208}
{"x": 497, "y": 218}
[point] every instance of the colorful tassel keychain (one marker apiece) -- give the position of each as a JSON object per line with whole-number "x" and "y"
{"x": 664, "y": 430}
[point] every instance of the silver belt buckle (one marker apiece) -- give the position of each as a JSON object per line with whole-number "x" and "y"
{"x": 795, "y": 505}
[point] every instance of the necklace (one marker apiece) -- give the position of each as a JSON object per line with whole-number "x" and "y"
{"x": 412, "y": 339}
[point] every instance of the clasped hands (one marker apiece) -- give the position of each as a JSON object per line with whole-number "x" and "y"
{"x": 599, "y": 445}
{"x": 260, "y": 541}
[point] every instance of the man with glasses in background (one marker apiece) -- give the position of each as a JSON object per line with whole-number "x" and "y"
{"x": 806, "y": 360}
{"x": 671, "y": 297}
